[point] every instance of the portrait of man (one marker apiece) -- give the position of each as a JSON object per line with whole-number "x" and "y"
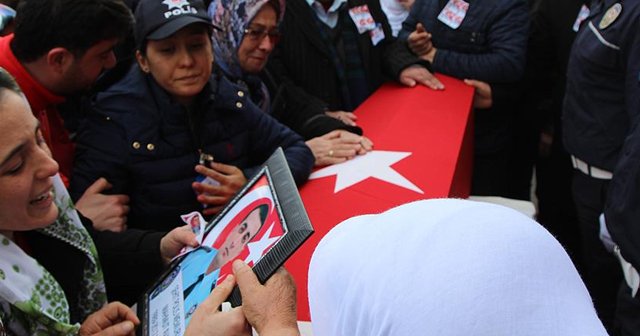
{"x": 194, "y": 222}
{"x": 201, "y": 268}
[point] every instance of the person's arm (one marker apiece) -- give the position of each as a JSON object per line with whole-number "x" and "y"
{"x": 268, "y": 134}
{"x": 300, "y": 111}
{"x": 622, "y": 210}
{"x": 207, "y": 320}
{"x": 269, "y": 308}
{"x": 114, "y": 319}
{"x": 101, "y": 148}
{"x": 133, "y": 259}
{"x": 292, "y": 105}
{"x": 504, "y": 60}
{"x": 229, "y": 179}
{"x": 338, "y": 146}
{"x": 98, "y": 184}
{"x": 402, "y": 64}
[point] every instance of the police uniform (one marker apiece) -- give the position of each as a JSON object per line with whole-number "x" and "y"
{"x": 601, "y": 111}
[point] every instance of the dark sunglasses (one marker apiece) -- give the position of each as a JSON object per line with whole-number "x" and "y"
{"x": 260, "y": 33}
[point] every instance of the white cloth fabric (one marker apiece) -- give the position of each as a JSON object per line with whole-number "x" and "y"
{"x": 396, "y": 14}
{"x": 631, "y": 275}
{"x": 446, "y": 267}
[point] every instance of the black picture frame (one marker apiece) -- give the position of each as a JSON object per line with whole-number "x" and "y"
{"x": 288, "y": 214}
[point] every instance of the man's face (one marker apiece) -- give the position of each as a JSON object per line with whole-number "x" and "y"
{"x": 84, "y": 70}
{"x": 240, "y": 236}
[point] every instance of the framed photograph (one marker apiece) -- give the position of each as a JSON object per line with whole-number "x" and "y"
{"x": 263, "y": 225}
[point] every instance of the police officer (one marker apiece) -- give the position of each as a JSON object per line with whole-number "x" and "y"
{"x": 601, "y": 113}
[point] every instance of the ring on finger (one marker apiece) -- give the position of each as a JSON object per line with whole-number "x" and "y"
{"x": 330, "y": 152}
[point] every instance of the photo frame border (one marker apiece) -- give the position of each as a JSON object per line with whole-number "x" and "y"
{"x": 293, "y": 216}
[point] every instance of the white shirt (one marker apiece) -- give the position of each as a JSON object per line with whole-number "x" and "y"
{"x": 330, "y": 17}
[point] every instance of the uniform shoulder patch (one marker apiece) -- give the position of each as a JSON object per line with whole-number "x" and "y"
{"x": 610, "y": 16}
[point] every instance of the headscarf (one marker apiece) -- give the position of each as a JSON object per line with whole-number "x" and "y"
{"x": 31, "y": 300}
{"x": 446, "y": 267}
{"x": 233, "y": 17}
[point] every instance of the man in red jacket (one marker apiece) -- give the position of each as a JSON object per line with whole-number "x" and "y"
{"x": 58, "y": 49}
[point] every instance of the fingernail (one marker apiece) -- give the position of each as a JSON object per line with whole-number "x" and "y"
{"x": 229, "y": 278}
{"x": 127, "y": 327}
{"x": 237, "y": 265}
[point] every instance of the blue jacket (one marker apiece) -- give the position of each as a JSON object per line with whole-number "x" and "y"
{"x": 146, "y": 145}
{"x": 490, "y": 44}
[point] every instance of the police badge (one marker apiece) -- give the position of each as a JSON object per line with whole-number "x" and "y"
{"x": 610, "y": 16}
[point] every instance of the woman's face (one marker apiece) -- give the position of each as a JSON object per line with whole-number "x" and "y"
{"x": 181, "y": 63}
{"x": 26, "y": 168}
{"x": 257, "y": 44}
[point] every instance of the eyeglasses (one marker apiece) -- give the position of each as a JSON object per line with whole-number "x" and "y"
{"x": 260, "y": 33}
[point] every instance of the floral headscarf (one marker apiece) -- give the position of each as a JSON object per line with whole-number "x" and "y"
{"x": 233, "y": 17}
{"x": 31, "y": 300}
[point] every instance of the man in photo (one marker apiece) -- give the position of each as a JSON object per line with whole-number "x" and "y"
{"x": 197, "y": 282}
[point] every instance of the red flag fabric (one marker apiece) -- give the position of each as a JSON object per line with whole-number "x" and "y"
{"x": 422, "y": 149}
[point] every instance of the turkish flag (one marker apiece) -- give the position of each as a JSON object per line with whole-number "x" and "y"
{"x": 422, "y": 149}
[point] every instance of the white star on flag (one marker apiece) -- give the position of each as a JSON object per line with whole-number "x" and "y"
{"x": 175, "y": 3}
{"x": 376, "y": 164}
{"x": 256, "y": 249}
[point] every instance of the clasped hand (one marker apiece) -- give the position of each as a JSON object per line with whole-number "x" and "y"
{"x": 231, "y": 179}
{"x": 338, "y": 146}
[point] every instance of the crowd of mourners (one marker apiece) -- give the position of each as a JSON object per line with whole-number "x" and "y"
{"x": 118, "y": 116}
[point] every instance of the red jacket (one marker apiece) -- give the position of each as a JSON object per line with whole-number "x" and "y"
{"x": 43, "y": 105}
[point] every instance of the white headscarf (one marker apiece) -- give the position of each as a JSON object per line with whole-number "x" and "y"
{"x": 446, "y": 267}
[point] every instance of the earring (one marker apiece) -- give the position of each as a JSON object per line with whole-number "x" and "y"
{"x": 145, "y": 69}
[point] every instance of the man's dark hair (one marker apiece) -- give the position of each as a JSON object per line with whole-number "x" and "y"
{"x": 264, "y": 211}
{"x": 76, "y": 25}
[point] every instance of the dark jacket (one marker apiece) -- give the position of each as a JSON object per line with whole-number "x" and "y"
{"x": 300, "y": 111}
{"x": 602, "y": 99}
{"x": 290, "y": 105}
{"x": 302, "y": 58}
{"x": 130, "y": 262}
{"x": 489, "y": 45}
{"x": 547, "y": 56}
{"x": 601, "y": 113}
{"x": 147, "y": 145}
